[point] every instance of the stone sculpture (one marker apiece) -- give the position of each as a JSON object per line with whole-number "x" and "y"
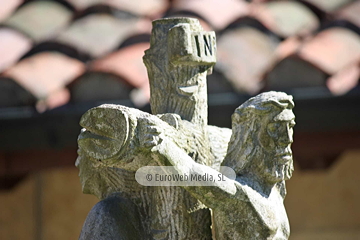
{"x": 111, "y": 148}
{"x": 116, "y": 141}
{"x": 250, "y": 207}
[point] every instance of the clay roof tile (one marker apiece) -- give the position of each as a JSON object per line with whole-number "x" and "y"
{"x": 219, "y": 13}
{"x": 7, "y": 8}
{"x": 332, "y": 49}
{"x": 287, "y": 18}
{"x": 53, "y": 46}
{"x": 293, "y": 72}
{"x": 12, "y": 46}
{"x": 98, "y": 86}
{"x": 45, "y": 72}
{"x": 14, "y": 95}
{"x": 99, "y": 34}
{"x": 40, "y": 19}
{"x": 140, "y": 7}
{"x": 126, "y": 62}
{"x": 153, "y": 8}
{"x": 329, "y": 5}
{"x": 244, "y": 54}
{"x": 345, "y": 79}
{"x": 350, "y": 13}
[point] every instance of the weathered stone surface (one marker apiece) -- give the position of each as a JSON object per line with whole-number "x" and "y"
{"x": 250, "y": 207}
{"x": 113, "y": 218}
{"x": 178, "y": 60}
{"x": 116, "y": 141}
{"x": 108, "y": 161}
{"x": 112, "y": 145}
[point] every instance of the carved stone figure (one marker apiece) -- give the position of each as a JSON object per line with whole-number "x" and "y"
{"x": 250, "y": 207}
{"x": 111, "y": 146}
{"x": 116, "y": 141}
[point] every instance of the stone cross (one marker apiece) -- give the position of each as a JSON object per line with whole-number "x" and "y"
{"x": 116, "y": 141}
{"x": 113, "y": 139}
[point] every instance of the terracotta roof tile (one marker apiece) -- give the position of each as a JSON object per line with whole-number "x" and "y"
{"x": 203, "y": 22}
{"x": 105, "y": 9}
{"x": 329, "y": 5}
{"x": 135, "y": 39}
{"x": 251, "y": 22}
{"x": 57, "y": 99}
{"x": 126, "y": 62}
{"x": 344, "y": 80}
{"x": 339, "y": 23}
{"x": 244, "y": 54}
{"x": 294, "y": 72}
{"x": 8, "y": 7}
{"x": 288, "y": 47}
{"x": 82, "y": 4}
{"x": 12, "y": 46}
{"x": 259, "y": 1}
{"x": 140, "y": 7}
{"x": 98, "y": 86}
{"x": 247, "y": 48}
{"x": 351, "y": 13}
{"x": 45, "y": 73}
{"x": 99, "y": 34}
{"x": 219, "y": 13}
{"x": 153, "y": 8}
{"x": 52, "y": 46}
{"x": 288, "y": 18}
{"x": 40, "y": 19}
{"x": 262, "y": 14}
{"x": 217, "y": 83}
{"x": 332, "y": 49}
{"x": 14, "y": 95}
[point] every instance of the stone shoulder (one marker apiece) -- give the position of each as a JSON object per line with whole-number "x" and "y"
{"x": 112, "y": 218}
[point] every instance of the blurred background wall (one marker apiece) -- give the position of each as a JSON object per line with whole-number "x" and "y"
{"x": 58, "y": 58}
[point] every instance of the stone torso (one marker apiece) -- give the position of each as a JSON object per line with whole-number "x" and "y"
{"x": 252, "y": 216}
{"x": 165, "y": 212}
{"x": 176, "y": 215}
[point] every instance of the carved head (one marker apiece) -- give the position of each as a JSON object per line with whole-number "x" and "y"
{"x": 106, "y": 129}
{"x": 262, "y": 136}
{"x": 90, "y": 178}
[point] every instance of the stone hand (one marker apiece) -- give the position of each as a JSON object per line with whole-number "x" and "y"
{"x": 150, "y": 134}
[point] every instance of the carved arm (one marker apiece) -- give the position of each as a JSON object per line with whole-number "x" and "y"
{"x": 116, "y": 136}
{"x": 212, "y": 196}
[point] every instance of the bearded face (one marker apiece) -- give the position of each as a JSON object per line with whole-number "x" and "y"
{"x": 90, "y": 179}
{"x": 277, "y": 172}
{"x": 275, "y": 139}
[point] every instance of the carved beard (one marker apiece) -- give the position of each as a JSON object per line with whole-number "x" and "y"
{"x": 89, "y": 176}
{"x": 271, "y": 168}
{"x": 280, "y": 171}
